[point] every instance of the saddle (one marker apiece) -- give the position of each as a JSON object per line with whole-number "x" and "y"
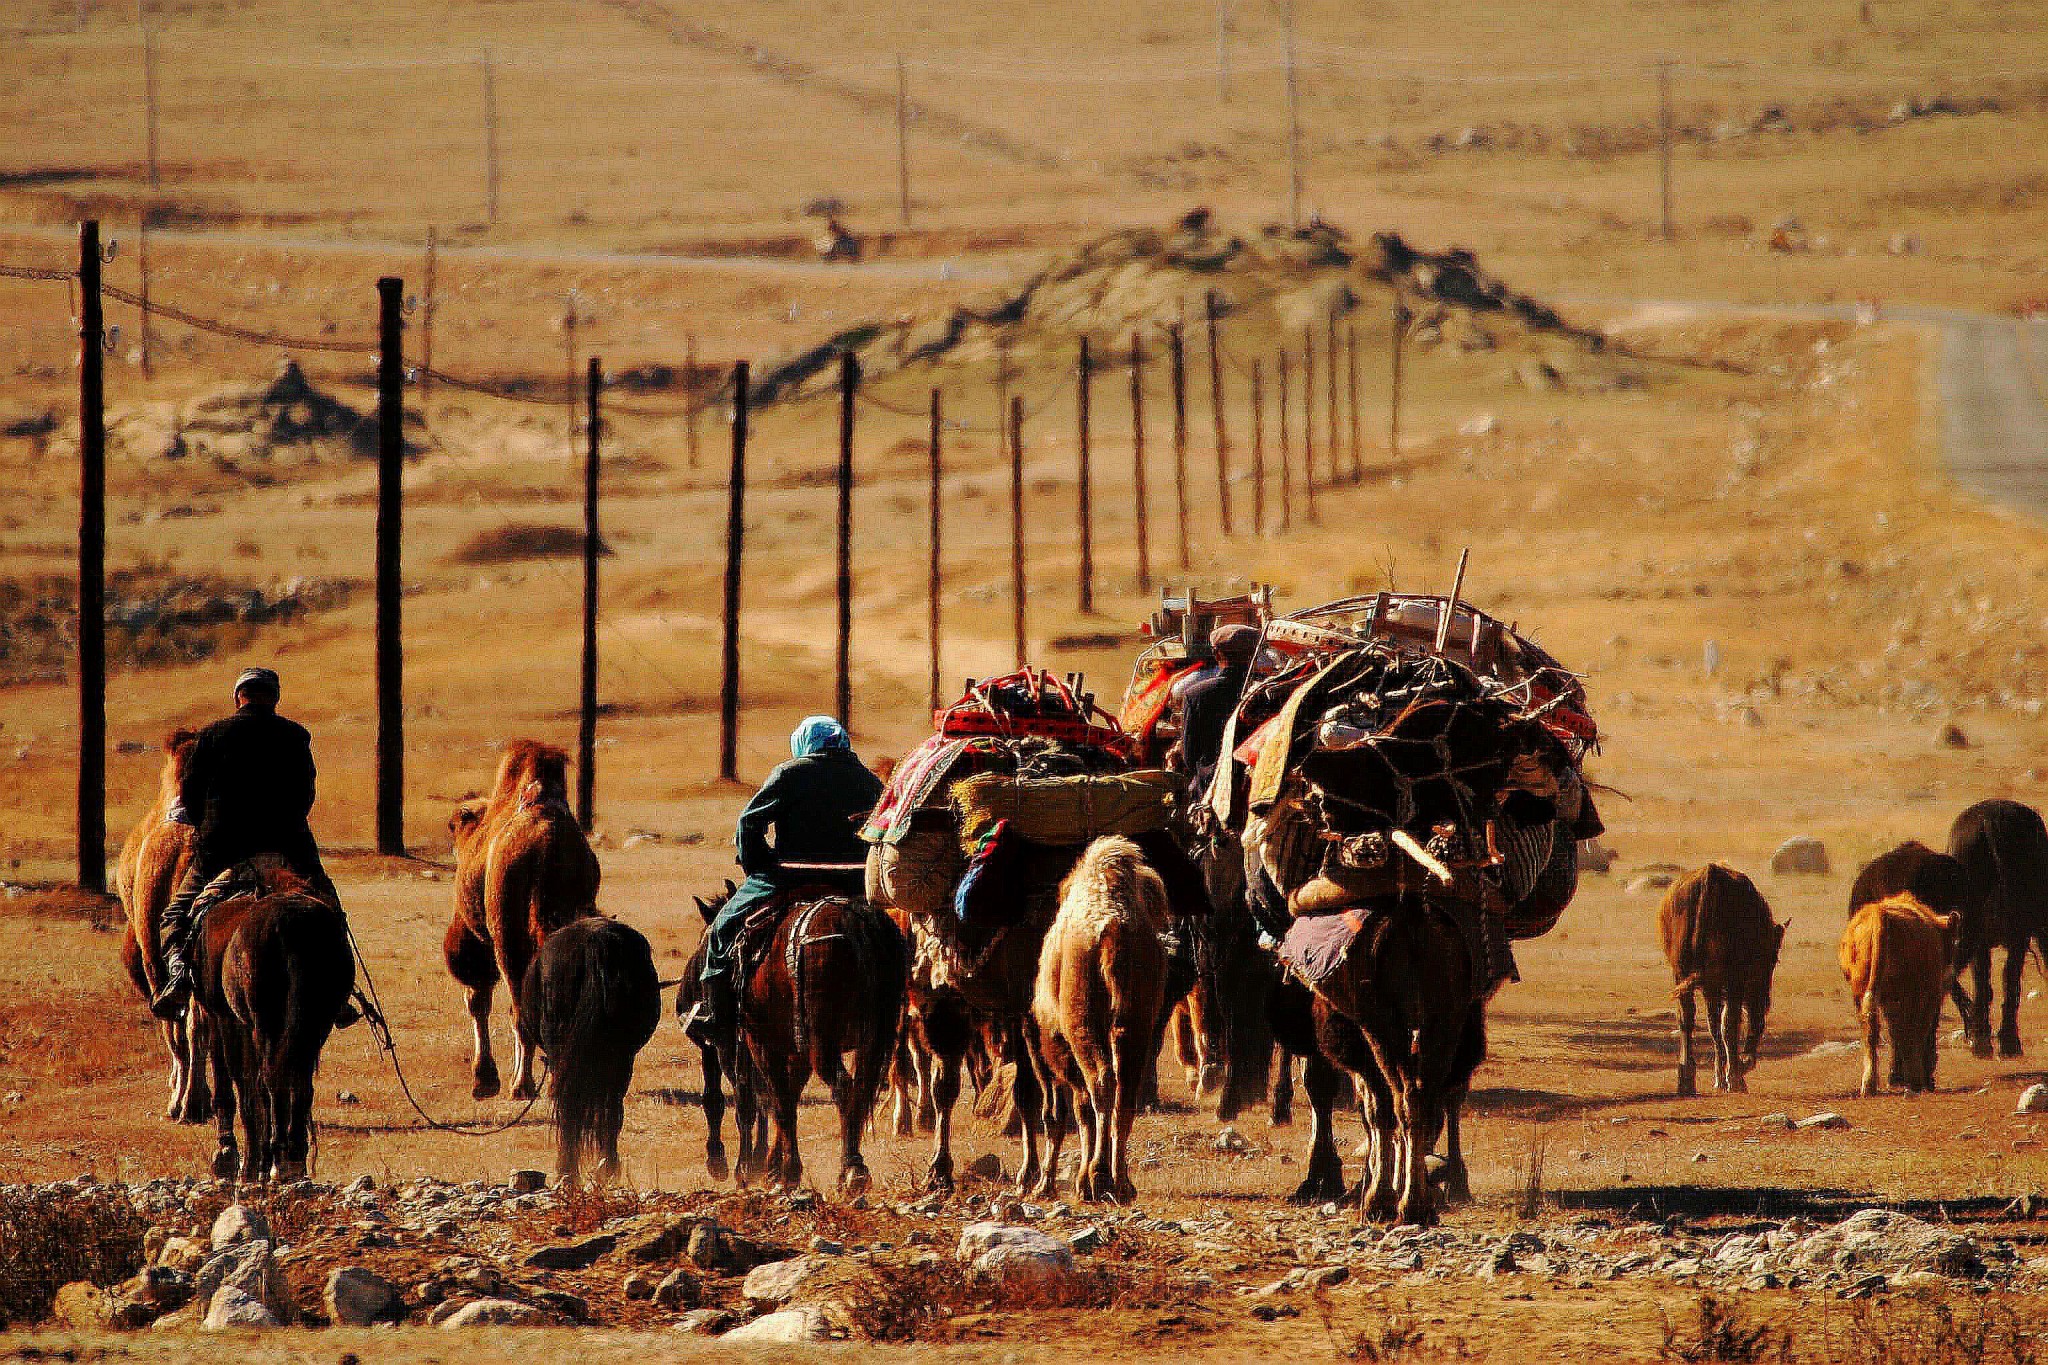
{"x": 261, "y": 875}
{"x": 1316, "y": 945}
{"x": 756, "y": 937}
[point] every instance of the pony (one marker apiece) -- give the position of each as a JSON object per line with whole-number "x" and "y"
{"x": 591, "y": 1001}
{"x": 523, "y": 869}
{"x": 1097, "y": 1009}
{"x": 830, "y": 983}
{"x": 272, "y": 967}
{"x": 153, "y": 860}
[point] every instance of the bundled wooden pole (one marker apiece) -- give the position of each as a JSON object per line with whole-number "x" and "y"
{"x": 390, "y": 537}
{"x": 933, "y": 573}
{"x": 1139, "y": 515}
{"x": 1084, "y": 384}
{"x": 1017, "y": 531}
{"x": 1177, "y": 349}
{"x": 427, "y": 317}
{"x": 586, "y": 728}
{"x": 142, "y": 322}
{"x": 1212, "y": 310}
{"x": 690, "y": 397}
{"x": 1286, "y": 459}
{"x": 1399, "y": 334}
{"x": 1258, "y": 449}
{"x": 92, "y": 568}
{"x": 735, "y": 547}
{"x": 849, "y": 381}
{"x": 1308, "y": 404}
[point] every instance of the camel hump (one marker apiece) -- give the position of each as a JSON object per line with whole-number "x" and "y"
{"x": 529, "y": 762}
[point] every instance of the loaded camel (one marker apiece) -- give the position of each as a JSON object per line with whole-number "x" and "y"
{"x": 152, "y": 863}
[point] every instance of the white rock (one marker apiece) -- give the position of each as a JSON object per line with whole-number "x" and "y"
{"x": 1020, "y": 1257}
{"x": 1801, "y": 855}
{"x": 231, "y": 1308}
{"x": 1483, "y": 425}
{"x": 237, "y": 1225}
{"x": 498, "y": 1313}
{"x": 250, "y": 1269}
{"x": 2034, "y": 1100}
{"x": 775, "y": 1284}
{"x": 790, "y": 1327}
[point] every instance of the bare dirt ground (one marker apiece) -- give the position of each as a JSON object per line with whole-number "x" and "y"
{"x": 1788, "y": 506}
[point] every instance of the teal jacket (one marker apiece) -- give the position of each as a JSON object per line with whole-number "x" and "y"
{"x": 815, "y": 806}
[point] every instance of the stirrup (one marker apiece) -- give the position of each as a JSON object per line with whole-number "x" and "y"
{"x": 170, "y": 1002}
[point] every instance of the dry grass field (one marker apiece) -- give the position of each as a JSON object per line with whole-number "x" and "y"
{"x": 1770, "y": 482}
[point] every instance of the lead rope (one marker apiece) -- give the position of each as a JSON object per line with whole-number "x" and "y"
{"x": 380, "y": 1032}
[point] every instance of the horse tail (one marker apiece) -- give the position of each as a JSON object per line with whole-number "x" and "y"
{"x": 592, "y": 1000}
{"x": 309, "y": 949}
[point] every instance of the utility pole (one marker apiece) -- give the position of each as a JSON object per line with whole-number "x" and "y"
{"x": 92, "y": 568}
{"x": 148, "y": 92}
{"x": 849, "y": 383}
{"x": 1664, "y": 145}
{"x": 1293, "y": 123}
{"x": 427, "y": 322}
{"x": 586, "y": 727}
{"x": 1211, "y": 311}
{"x": 390, "y": 532}
{"x": 1176, "y": 344}
{"x": 735, "y": 546}
{"x": 1084, "y": 383}
{"x": 569, "y": 321}
{"x": 1017, "y": 572}
{"x": 1140, "y": 514}
{"x": 142, "y": 269}
{"x": 1400, "y": 334}
{"x": 1223, "y": 51}
{"x": 690, "y": 396}
{"x": 933, "y": 566}
{"x": 490, "y": 139}
{"x": 902, "y": 142}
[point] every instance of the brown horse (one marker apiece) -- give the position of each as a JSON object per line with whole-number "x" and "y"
{"x": 522, "y": 869}
{"x": 272, "y": 968}
{"x": 591, "y": 1002}
{"x": 830, "y": 984}
{"x": 1096, "y": 1012}
{"x": 152, "y": 863}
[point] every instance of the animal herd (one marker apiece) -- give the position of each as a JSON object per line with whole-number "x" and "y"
{"x": 861, "y": 999}
{"x": 1917, "y": 920}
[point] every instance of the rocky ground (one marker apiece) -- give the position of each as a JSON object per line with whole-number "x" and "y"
{"x": 178, "y": 1255}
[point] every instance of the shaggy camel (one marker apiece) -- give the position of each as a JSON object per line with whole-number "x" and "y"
{"x": 1721, "y": 942}
{"x": 152, "y": 863}
{"x": 522, "y": 870}
{"x": 1898, "y": 957}
{"x": 1098, "y": 1005}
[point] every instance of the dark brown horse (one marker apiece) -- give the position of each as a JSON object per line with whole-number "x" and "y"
{"x": 830, "y": 984}
{"x": 272, "y": 968}
{"x": 590, "y": 1002}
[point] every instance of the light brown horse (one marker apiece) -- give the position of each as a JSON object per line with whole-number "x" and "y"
{"x": 1096, "y": 1012}
{"x": 522, "y": 870}
{"x": 271, "y": 967}
{"x": 152, "y": 863}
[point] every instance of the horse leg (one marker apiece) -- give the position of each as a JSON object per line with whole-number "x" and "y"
{"x": 195, "y": 1095}
{"x": 1020, "y": 1049}
{"x": 256, "y": 1116}
{"x": 1976, "y": 1007}
{"x": 1688, "y": 1065}
{"x": 785, "y": 1163}
{"x": 2009, "y": 1007}
{"x": 1714, "y": 1002}
{"x": 1325, "y": 1179}
{"x": 1283, "y": 1092}
{"x": 1419, "y": 1118}
{"x": 1730, "y": 1060}
{"x": 1870, "y": 1041}
{"x": 294, "y": 1126}
{"x": 226, "y": 1155}
{"x": 714, "y": 1116}
{"x": 1457, "y": 1181}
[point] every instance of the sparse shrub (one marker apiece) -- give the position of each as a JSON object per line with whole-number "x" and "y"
{"x": 1724, "y": 1334}
{"x": 1531, "y": 1205}
{"x": 1383, "y": 1333}
{"x": 587, "y": 1206}
{"x": 52, "y": 1235}
{"x": 1927, "y": 1331}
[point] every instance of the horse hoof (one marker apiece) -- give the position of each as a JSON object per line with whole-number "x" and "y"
{"x": 1315, "y": 1190}
{"x": 939, "y": 1179}
{"x": 2009, "y": 1047}
{"x": 486, "y": 1086}
{"x": 1382, "y": 1210}
{"x": 714, "y": 1165}
{"x": 525, "y": 1091}
{"x": 225, "y": 1162}
{"x": 854, "y": 1180}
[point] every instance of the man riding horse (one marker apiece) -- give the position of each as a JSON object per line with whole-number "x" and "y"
{"x": 814, "y": 803}
{"x": 248, "y": 791}
{"x": 1208, "y": 701}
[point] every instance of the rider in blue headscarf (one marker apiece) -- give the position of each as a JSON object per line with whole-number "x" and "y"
{"x": 815, "y": 804}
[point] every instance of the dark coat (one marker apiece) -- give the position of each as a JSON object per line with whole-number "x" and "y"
{"x": 1205, "y": 710}
{"x": 815, "y": 805}
{"x": 249, "y": 788}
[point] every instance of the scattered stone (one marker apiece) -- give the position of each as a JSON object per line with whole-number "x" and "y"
{"x": 775, "y": 1284}
{"x": 84, "y": 1307}
{"x": 355, "y": 1297}
{"x": 1646, "y": 882}
{"x": 662, "y": 1239}
{"x": 1897, "y": 1242}
{"x": 708, "y": 1322}
{"x": 637, "y": 1285}
{"x": 578, "y": 1255}
{"x": 1087, "y": 1239}
{"x": 678, "y": 1289}
{"x": 498, "y": 1313}
{"x": 1951, "y": 736}
{"x": 162, "y": 1287}
{"x": 249, "y": 1268}
{"x": 1485, "y": 424}
{"x": 2034, "y": 1100}
{"x": 790, "y": 1327}
{"x": 1829, "y": 1121}
{"x": 1020, "y": 1258}
{"x": 1595, "y": 857}
{"x": 231, "y": 1308}
{"x": 987, "y": 1166}
{"x": 564, "y": 1305}
{"x": 825, "y": 1246}
{"x": 528, "y": 1182}
{"x": 1228, "y": 1139}
{"x": 238, "y": 1224}
{"x": 1801, "y": 856}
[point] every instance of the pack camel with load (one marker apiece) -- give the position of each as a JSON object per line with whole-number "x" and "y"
{"x": 969, "y": 847}
{"x": 1402, "y": 796}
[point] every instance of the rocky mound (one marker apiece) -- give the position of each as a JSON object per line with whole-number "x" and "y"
{"x": 1276, "y": 280}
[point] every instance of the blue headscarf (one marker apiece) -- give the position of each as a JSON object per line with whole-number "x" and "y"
{"x": 816, "y": 735}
